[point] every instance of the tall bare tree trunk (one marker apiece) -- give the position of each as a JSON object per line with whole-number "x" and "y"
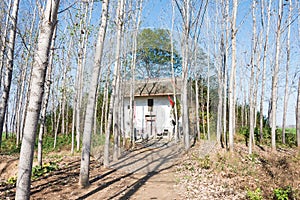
{"x": 275, "y": 77}
{"x": 262, "y": 96}
{"x": 119, "y": 22}
{"x": 225, "y": 69}
{"x": 10, "y": 64}
{"x": 197, "y": 108}
{"x": 45, "y": 100}
{"x": 298, "y": 115}
{"x": 208, "y": 92}
{"x": 87, "y": 133}
{"x": 251, "y": 85}
{"x": 232, "y": 76}
{"x": 185, "y": 69}
{"x": 4, "y": 40}
{"x": 137, "y": 18}
{"x": 286, "y": 93}
{"x": 40, "y": 64}
{"x": 175, "y": 131}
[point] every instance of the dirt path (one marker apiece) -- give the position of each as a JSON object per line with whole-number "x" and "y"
{"x": 145, "y": 173}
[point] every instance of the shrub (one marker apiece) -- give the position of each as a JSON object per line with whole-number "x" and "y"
{"x": 38, "y": 170}
{"x": 254, "y": 195}
{"x": 283, "y": 193}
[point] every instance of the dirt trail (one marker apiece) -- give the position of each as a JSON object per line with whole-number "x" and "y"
{"x": 145, "y": 173}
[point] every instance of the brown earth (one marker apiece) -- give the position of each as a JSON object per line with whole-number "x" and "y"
{"x": 160, "y": 170}
{"x": 145, "y": 173}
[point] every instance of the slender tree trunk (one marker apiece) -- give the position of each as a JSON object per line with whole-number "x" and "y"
{"x": 264, "y": 66}
{"x": 298, "y": 115}
{"x": 225, "y": 71}
{"x": 57, "y": 126}
{"x": 197, "y": 109}
{"x": 10, "y": 64}
{"x": 45, "y": 101}
{"x": 286, "y": 93}
{"x": 185, "y": 69}
{"x": 175, "y": 131}
{"x": 105, "y": 103}
{"x": 87, "y": 133}
{"x": 133, "y": 65}
{"x": 202, "y": 108}
{"x": 119, "y": 22}
{"x": 4, "y": 41}
{"x": 208, "y": 91}
{"x": 275, "y": 77}
{"x": 48, "y": 22}
{"x": 251, "y": 85}
{"x": 232, "y": 76}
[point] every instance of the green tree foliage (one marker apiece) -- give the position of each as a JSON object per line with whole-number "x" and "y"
{"x": 154, "y": 54}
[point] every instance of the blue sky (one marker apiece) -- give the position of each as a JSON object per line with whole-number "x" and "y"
{"x": 158, "y": 14}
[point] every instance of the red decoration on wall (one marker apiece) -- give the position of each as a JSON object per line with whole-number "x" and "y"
{"x": 172, "y": 103}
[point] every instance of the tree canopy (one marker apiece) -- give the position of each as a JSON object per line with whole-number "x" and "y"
{"x": 154, "y": 54}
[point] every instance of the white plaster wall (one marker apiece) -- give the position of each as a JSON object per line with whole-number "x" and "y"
{"x": 161, "y": 108}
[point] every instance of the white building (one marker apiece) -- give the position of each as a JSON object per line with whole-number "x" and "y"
{"x": 153, "y": 113}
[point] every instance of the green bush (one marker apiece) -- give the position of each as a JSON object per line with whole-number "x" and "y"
{"x": 62, "y": 140}
{"x": 254, "y": 195}
{"x": 8, "y": 146}
{"x": 38, "y": 170}
{"x": 283, "y": 193}
{"x": 290, "y": 136}
{"x": 12, "y": 180}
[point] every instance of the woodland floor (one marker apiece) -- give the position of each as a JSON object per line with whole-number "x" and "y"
{"x": 160, "y": 170}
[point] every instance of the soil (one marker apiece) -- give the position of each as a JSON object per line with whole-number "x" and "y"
{"x": 161, "y": 170}
{"x": 147, "y": 172}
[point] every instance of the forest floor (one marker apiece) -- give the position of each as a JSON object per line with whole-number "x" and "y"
{"x": 161, "y": 170}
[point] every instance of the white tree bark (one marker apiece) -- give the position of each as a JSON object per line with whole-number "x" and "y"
{"x": 87, "y": 133}
{"x": 45, "y": 100}
{"x": 185, "y": 69}
{"x": 137, "y": 18}
{"x": 208, "y": 86}
{"x": 262, "y": 96}
{"x": 10, "y": 64}
{"x": 298, "y": 115}
{"x": 286, "y": 93}
{"x": 48, "y": 22}
{"x": 4, "y": 39}
{"x": 225, "y": 70}
{"x": 114, "y": 94}
{"x": 275, "y": 77}
{"x": 232, "y": 75}
{"x": 251, "y": 85}
{"x": 175, "y": 132}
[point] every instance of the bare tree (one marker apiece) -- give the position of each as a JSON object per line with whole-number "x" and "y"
{"x": 137, "y": 19}
{"x": 251, "y": 132}
{"x": 232, "y": 75}
{"x": 4, "y": 36}
{"x": 87, "y": 133}
{"x": 262, "y": 96}
{"x": 45, "y": 100}
{"x": 286, "y": 93}
{"x": 185, "y": 13}
{"x": 10, "y": 64}
{"x": 298, "y": 115}
{"x": 275, "y": 77}
{"x": 40, "y": 63}
{"x": 114, "y": 94}
{"x": 175, "y": 131}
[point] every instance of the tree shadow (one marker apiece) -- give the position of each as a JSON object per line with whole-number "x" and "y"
{"x": 161, "y": 163}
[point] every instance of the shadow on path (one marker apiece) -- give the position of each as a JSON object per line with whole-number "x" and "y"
{"x": 145, "y": 162}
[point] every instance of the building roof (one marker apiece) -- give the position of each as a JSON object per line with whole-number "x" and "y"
{"x": 154, "y": 87}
